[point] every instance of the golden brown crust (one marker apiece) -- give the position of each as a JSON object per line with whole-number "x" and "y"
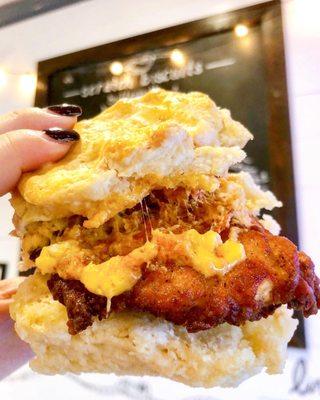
{"x": 140, "y": 344}
{"x": 273, "y": 273}
{"x": 185, "y": 297}
{"x": 162, "y": 139}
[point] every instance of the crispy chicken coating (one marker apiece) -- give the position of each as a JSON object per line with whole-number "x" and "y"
{"x": 273, "y": 273}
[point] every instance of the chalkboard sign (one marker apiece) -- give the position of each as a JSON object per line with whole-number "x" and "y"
{"x": 231, "y": 71}
{"x": 241, "y": 70}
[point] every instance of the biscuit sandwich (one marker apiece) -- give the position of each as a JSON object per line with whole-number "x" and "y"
{"x": 151, "y": 257}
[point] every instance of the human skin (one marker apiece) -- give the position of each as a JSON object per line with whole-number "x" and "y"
{"x": 26, "y": 142}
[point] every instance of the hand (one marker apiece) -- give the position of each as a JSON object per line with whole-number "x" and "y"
{"x": 8, "y": 288}
{"x": 28, "y": 139}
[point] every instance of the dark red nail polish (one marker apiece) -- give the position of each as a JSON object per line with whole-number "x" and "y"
{"x": 67, "y": 110}
{"x": 62, "y": 135}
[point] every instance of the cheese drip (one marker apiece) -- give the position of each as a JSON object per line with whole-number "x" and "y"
{"x": 119, "y": 274}
{"x": 206, "y": 253}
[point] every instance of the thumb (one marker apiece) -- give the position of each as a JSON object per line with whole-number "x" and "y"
{"x": 26, "y": 150}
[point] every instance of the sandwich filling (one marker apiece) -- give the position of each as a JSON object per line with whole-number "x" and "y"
{"x": 192, "y": 257}
{"x": 143, "y": 215}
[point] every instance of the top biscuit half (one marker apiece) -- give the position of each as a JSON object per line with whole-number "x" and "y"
{"x": 162, "y": 139}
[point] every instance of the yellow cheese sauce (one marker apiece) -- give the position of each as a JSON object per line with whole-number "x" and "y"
{"x": 118, "y": 274}
{"x": 63, "y": 258}
{"x": 206, "y": 253}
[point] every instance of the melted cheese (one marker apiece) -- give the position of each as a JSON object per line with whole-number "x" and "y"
{"x": 118, "y": 274}
{"x": 206, "y": 252}
{"x": 52, "y": 255}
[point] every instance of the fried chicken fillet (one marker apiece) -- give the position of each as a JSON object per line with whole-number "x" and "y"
{"x": 273, "y": 273}
{"x": 150, "y": 254}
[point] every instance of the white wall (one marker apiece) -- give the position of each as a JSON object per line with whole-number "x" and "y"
{"x": 100, "y": 21}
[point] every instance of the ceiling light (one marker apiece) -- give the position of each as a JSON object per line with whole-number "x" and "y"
{"x": 116, "y": 68}
{"x": 177, "y": 57}
{"x": 241, "y": 30}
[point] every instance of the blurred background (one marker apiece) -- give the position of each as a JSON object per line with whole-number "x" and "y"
{"x": 262, "y": 63}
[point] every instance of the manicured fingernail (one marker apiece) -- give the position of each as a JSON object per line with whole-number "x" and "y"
{"x": 67, "y": 110}
{"x": 62, "y": 135}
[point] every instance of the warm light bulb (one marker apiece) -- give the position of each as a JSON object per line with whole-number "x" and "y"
{"x": 116, "y": 68}
{"x": 178, "y": 58}
{"x": 241, "y": 30}
{"x": 27, "y": 83}
{"x": 3, "y": 77}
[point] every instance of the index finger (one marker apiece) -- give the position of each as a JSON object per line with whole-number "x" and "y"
{"x": 38, "y": 119}
{"x": 9, "y": 286}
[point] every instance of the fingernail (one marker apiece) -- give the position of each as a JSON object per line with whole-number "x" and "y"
{"x": 62, "y": 135}
{"x": 67, "y": 110}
